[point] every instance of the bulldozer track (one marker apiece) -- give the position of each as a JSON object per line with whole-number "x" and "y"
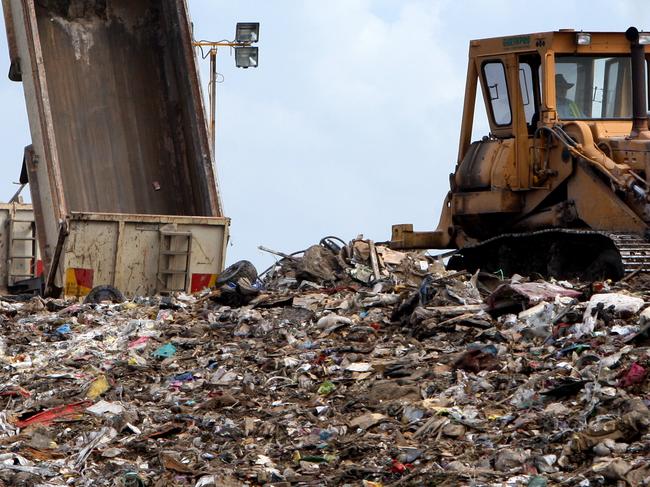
{"x": 582, "y": 249}
{"x": 634, "y": 250}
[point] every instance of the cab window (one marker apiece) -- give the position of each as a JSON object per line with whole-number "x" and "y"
{"x": 496, "y": 88}
{"x": 526, "y": 87}
{"x": 529, "y": 86}
{"x": 593, "y": 87}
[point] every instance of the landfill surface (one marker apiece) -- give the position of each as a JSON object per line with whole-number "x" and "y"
{"x": 346, "y": 364}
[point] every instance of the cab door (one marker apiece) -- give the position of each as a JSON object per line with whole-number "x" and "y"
{"x": 527, "y": 112}
{"x": 480, "y": 160}
{"x": 511, "y": 94}
{"x": 496, "y": 86}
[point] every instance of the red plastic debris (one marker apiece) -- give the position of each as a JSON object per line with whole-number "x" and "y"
{"x": 399, "y": 467}
{"x": 561, "y": 329}
{"x": 15, "y": 391}
{"x": 598, "y": 286}
{"x": 140, "y": 342}
{"x": 635, "y": 375}
{"x": 321, "y": 359}
{"x": 50, "y": 415}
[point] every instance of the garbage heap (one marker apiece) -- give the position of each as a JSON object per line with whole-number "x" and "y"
{"x": 342, "y": 365}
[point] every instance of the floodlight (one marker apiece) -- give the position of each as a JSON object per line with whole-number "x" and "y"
{"x": 583, "y": 38}
{"x": 248, "y": 32}
{"x": 644, "y": 38}
{"x": 246, "y": 57}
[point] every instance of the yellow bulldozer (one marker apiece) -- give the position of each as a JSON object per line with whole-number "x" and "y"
{"x": 560, "y": 186}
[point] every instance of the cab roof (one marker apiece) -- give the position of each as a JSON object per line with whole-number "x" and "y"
{"x": 561, "y": 41}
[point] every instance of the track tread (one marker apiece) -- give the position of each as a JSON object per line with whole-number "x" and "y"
{"x": 634, "y": 250}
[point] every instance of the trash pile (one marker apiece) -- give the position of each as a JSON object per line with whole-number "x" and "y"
{"x": 346, "y": 364}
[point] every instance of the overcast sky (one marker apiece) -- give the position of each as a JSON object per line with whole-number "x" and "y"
{"x": 351, "y": 122}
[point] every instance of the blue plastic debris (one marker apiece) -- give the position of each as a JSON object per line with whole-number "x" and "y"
{"x": 166, "y": 351}
{"x": 64, "y": 329}
{"x": 186, "y": 377}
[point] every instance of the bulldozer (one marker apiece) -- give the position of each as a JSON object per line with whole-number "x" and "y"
{"x": 561, "y": 185}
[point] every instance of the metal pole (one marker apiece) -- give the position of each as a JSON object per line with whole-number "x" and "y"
{"x": 213, "y": 99}
{"x": 639, "y": 96}
{"x": 639, "y": 100}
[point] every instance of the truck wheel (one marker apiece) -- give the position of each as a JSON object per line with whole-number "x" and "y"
{"x": 104, "y": 293}
{"x": 240, "y": 269}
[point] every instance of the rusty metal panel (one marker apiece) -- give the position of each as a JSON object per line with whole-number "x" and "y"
{"x": 22, "y": 252}
{"x": 138, "y": 258}
{"x": 44, "y": 176}
{"x": 124, "y": 250}
{"x": 4, "y": 247}
{"x": 14, "y": 58}
{"x": 127, "y": 139}
{"x": 92, "y": 245}
{"x": 477, "y": 169}
{"x": 479, "y": 202}
{"x": 12, "y": 267}
{"x": 598, "y": 207}
{"x": 115, "y": 107}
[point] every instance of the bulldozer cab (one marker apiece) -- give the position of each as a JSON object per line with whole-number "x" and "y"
{"x": 533, "y": 80}
{"x": 568, "y": 145}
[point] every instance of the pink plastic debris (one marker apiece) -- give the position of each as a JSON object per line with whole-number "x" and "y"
{"x": 635, "y": 375}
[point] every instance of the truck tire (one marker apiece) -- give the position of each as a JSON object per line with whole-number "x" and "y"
{"x": 104, "y": 293}
{"x": 240, "y": 269}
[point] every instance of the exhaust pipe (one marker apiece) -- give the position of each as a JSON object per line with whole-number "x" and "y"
{"x": 639, "y": 95}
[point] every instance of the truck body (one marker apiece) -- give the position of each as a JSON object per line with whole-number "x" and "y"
{"x": 120, "y": 168}
{"x": 561, "y": 184}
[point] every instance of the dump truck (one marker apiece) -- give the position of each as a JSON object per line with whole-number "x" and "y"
{"x": 120, "y": 168}
{"x": 560, "y": 185}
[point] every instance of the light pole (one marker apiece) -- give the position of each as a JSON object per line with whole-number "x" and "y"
{"x": 246, "y": 56}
